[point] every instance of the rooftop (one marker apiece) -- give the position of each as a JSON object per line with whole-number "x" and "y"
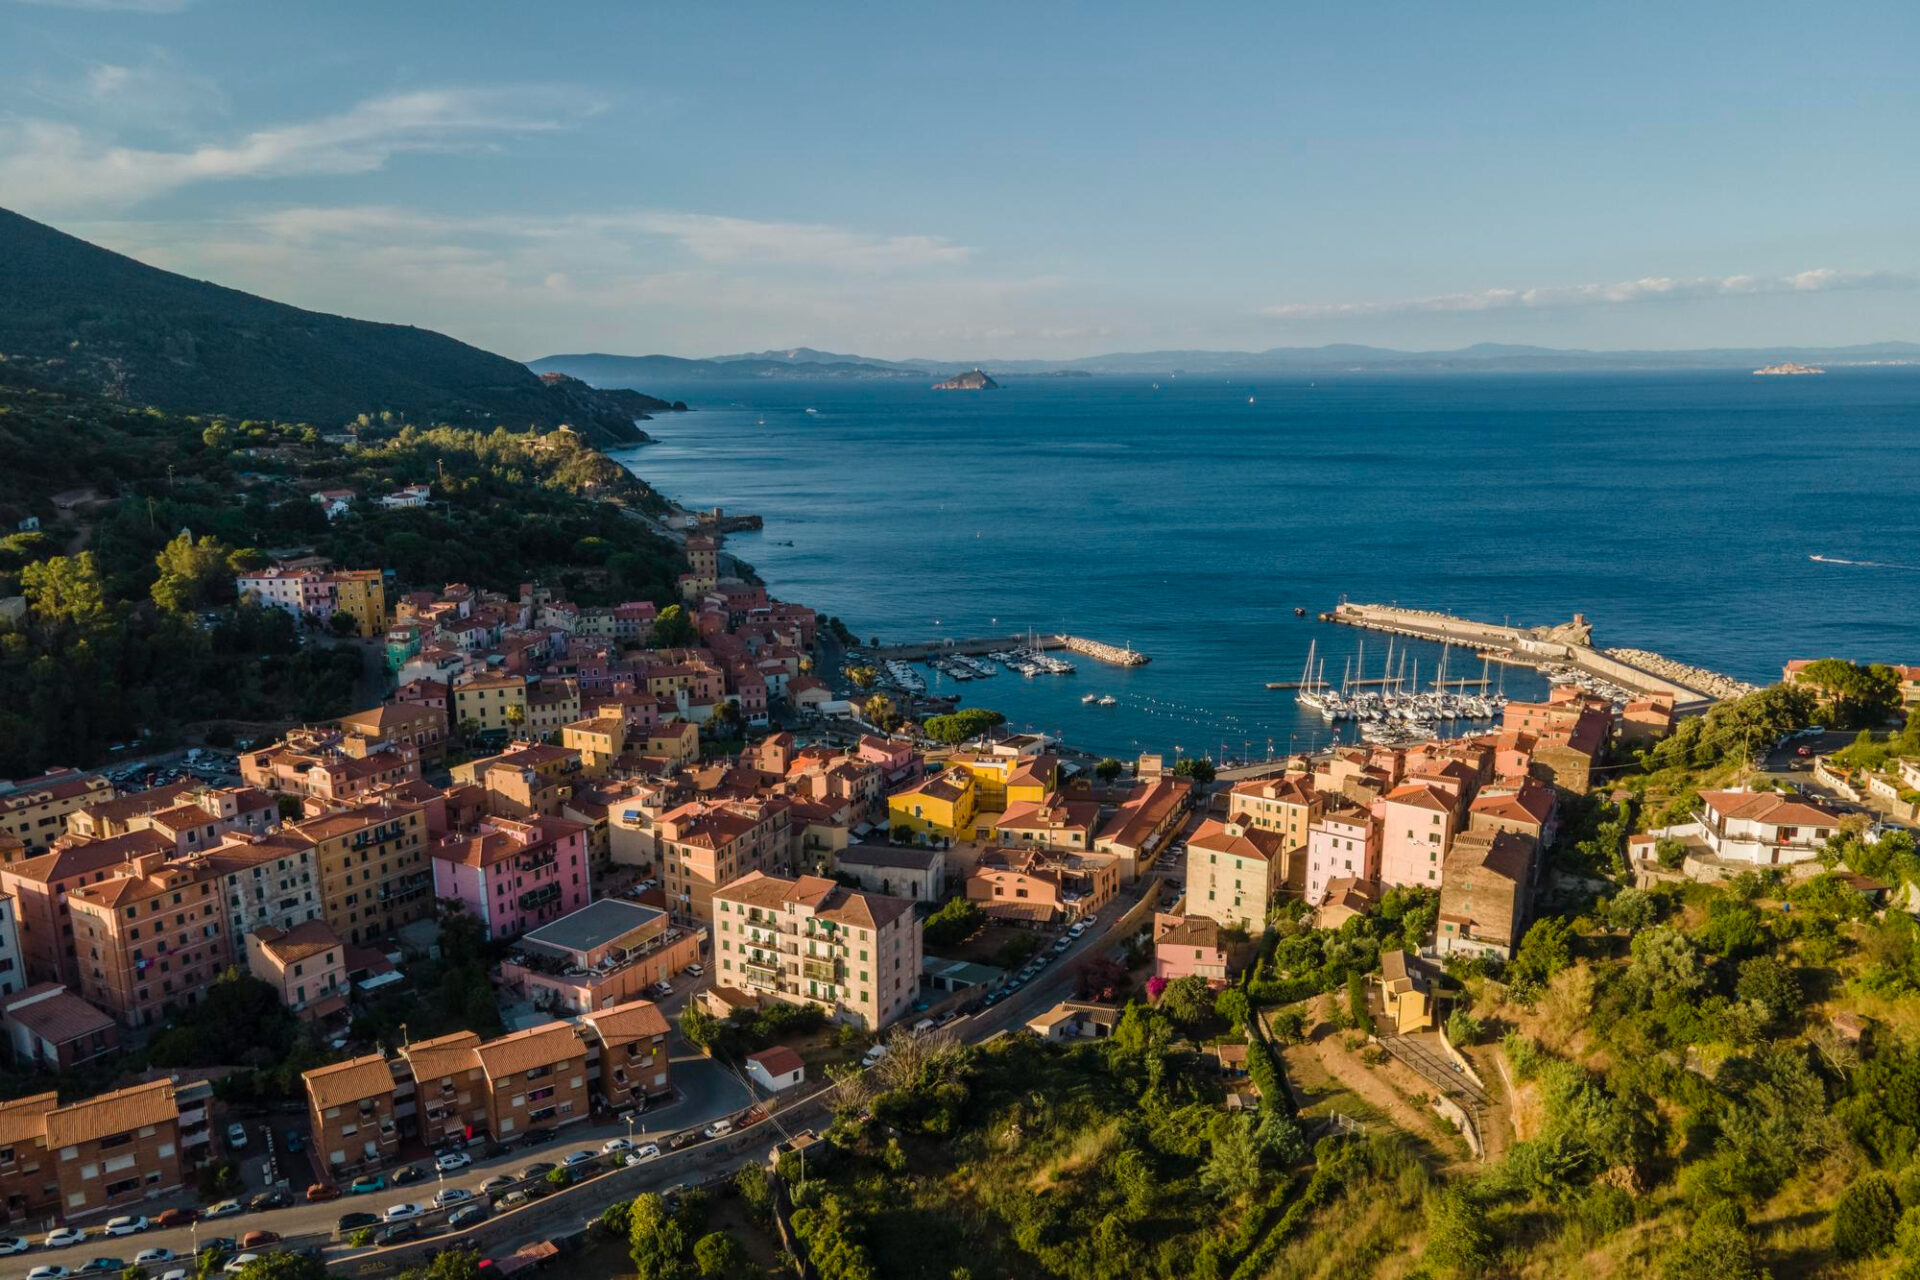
{"x": 595, "y": 925}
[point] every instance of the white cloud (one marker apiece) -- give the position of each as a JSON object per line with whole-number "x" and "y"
{"x": 1622, "y": 293}
{"x": 59, "y": 166}
{"x": 713, "y": 238}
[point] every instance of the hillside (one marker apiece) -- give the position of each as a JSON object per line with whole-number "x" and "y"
{"x": 675, "y": 371}
{"x": 83, "y": 317}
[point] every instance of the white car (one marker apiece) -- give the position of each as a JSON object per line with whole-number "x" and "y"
{"x": 10, "y": 1245}
{"x": 48, "y": 1273}
{"x": 578, "y": 1158}
{"x": 236, "y": 1135}
{"x": 1079, "y": 929}
{"x": 696, "y": 970}
{"x": 225, "y": 1209}
{"x": 612, "y": 1145}
{"x": 1063, "y": 944}
{"x": 718, "y": 1129}
{"x": 147, "y": 1257}
{"x": 402, "y": 1212}
{"x": 643, "y": 1153}
{"x": 125, "y": 1226}
{"x": 451, "y": 1160}
{"x": 873, "y": 1055}
{"x": 178, "y": 1273}
{"x": 240, "y": 1262}
{"x": 61, "y": 1237}
{"x": 451, "y": 1195}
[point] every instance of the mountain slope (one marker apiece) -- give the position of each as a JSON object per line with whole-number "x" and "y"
{"x": 83, "y": 317}
{"x": 623, "y": 371}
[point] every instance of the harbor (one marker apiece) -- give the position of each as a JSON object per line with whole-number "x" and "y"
{"x": 1031, "y": 646}
{"x": 1395, "y": 706}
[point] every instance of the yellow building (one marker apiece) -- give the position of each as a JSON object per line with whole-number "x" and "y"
{"x": 492, "y": 702}
{"x": 945, "y": 805}
{"x": 676, "y": 740}
{"x": 362, "y": 595}
{"x": 599, "y": 742}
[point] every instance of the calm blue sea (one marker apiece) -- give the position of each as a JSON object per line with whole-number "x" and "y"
{"x": 1677, "y": 512}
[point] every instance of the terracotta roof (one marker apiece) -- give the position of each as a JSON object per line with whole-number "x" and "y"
{"x": 448, "y": 1055}
{"x": 634, "y": 1020}
{"x": 54, "y": 1014}
{"x": 346, "y": 1083}
{"x": 107, "y": 1114}
{"x": 60, "y": 789}
{"x": 315, "y": 937}
{"x": 1507, "y": 854}
{"x": 1769, "y": 807}
{"x": 1533, "y": 802}
{"x": 539, "y": 1046}
{"x": 25, "y": 1119}
{"x": 828, "y": 899}
{"x": 1419, "y": 796}
{"x": 119, "y": 809}
{"x": 1194, "y": 931}
{"x": 779, "y": 1060}
{"x": 1255, "y": 843}
{"x": 85, "y": 859}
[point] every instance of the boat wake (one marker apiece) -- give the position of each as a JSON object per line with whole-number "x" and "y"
{"x": 1865, "y": 564}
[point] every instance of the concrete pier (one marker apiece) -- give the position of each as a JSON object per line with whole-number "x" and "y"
{"x": 978, "y": 646}
{"x": 1569, "y": 645}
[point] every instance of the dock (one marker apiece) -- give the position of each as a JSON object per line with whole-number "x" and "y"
{"x": 1568, "y": 644}
{"x": 1376, "y": 682}
{"x": 979, "y": 646}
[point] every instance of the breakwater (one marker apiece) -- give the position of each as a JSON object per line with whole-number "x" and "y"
{"x": 1127, "y": 657}
{"x": 1720, "y": 686}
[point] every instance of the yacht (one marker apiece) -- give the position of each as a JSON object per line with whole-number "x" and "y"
{"x": 1108, "y": 700}
{"x": 1088, "y": 699}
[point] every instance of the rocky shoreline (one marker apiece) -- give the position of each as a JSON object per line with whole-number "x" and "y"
{"x": 1709, "y": 682}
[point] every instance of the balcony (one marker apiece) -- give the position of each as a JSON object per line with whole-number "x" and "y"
{"x": 760, "y": 975}
{"x": 816, "y": 970}
{"x": 534, "y": 899}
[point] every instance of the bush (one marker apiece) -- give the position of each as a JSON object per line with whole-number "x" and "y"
{"x": 952, "y": 924}
{"x": 1463, "y": 1028}
{"x": 1865, "y": 1217}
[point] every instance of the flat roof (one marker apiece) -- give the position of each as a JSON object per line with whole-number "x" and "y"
{"x": 594, "y": 925}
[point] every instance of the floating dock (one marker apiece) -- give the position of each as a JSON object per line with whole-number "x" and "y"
{"x": 979, "y": 646}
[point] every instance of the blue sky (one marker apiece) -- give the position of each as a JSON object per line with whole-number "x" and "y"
{"x": 973, "y": 181}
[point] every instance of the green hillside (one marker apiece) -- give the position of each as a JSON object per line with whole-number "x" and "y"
{"x": 79, "y": 316}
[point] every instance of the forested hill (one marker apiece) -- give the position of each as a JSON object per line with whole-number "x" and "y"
{"x": 80, "y": 316}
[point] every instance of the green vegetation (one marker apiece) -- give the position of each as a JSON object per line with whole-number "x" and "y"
{"x": 962, "y": 725}
{"x": 747, "y": 1030}
{"x": 1198, "y": 768}
{"x": 1852, "y": 695}
{"x": 953, "y": 924}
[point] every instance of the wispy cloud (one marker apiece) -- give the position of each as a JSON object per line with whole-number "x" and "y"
{"x": 1622, "y": 293}
{"x": 112, "y": 6}
{"x": 713, "y": 238}
{"x": 59, "y": 166}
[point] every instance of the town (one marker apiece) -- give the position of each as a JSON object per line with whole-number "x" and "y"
{"x": 665, "y": 836}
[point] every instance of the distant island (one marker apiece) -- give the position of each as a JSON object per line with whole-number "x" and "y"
{"x": 971, "y": 380}
{"x": 1787, "y": 369}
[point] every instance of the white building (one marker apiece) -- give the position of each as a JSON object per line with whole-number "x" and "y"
{"x": 896, "y": 870}
{"x": 1759, "y": 828}
{"x": 776, "y": 1069}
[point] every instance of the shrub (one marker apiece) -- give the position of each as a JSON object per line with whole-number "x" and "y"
{"x": 1865, "y": 1217}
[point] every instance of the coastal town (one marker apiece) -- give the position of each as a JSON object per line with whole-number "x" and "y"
{"x": 659, "y": 822}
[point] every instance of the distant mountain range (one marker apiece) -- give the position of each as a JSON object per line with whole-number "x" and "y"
{"x": 1485, "y": 357}
{"x": 78, "y": 316}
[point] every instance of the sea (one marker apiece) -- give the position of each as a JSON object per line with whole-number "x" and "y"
{"x": 1189, "y": 517}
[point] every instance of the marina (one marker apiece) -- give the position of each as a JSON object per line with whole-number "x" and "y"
{"x": 1395, "y": 703}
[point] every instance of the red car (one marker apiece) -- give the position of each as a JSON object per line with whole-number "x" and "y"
{"x": 175, "y": 1218}
{"x": 1804, "y": 751}
{"x": 322, "y": 1191}
{"x": 259, "y": 1239}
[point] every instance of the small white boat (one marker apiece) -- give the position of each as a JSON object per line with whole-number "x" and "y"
{"x": 1089, "y": 699}
{"x": 1108, "y": 700}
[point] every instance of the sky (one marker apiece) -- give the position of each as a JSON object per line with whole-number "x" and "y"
{"x": 1024, "y": 180}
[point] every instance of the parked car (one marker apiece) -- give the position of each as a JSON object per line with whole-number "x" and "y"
{"x": 872, "y": 1056}
{"x": 274, "y": 1199}
{"x": 321, "y": 1192}
{"x": 217, "y": 1246}
{"x": 367, "y": 1182}
{"x": 718, "y": 1129}
{"x": 578, "y": 1158}
{"x": 612, "y": 1145}
{"x": 176, "y": 1273}
{"x": 696, "y": 970}
{"x": 295, "y": 1142}
{"x": 534, "y": 1137}
{"x": 352, "y": 1222}
{"x": 407, "y": 1173}
{"x": 448, "y": 1161}
{"x": 10, "y": 1245}
{"x": 147, "y": 1257}
{"x": 468, "y": 1216}
{"x": 259, "y": 1239}
{"x": 1061, "y": 944}
{"x": 497, "y": 1183}
{"x": 61, "y": 1237}
{"x": 681, "y": 1139}
{"x": 236, "y": 1135}
{"x": 102, "y": 1266}
{"x": 224, "y": 1209}
{"x": 48, "y": 1272}
{"x": 126, "y": 1225}
{"x": 450, "y": 1196}
{"x": 494, "y": 1150}
{"x": 176, "y": 1218}
{"x": 1079, "y": 928}
{"x": 538, "y": 1169}
{"x": 240, "y": 1262}
{"x": 513, "y": 1199}
{"x": 402, "y": 1212}
{"x": 644, "y": 1152}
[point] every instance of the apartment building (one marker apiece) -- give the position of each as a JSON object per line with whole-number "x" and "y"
{"x": 1286, "y": 806}
{"x": 150, "y": 939}
{"x": 628, "y": 1053}
{"x": 1343, "y": 842}
{"x": 374, "y": 869}
{"x": 34, "y": 811}
{"x": 707, "y": 844}
{"x": 535, "y": 1079}
{"x": 29, "y": 1179}
{"x": 419, "y": 725}
{"x": 1144, "y": 823}
{"x": 49, "y": 1027}
{"x": 1485, "y": 894}
{"x": 809, "y": 940}
{"x": 514, "y": 876}
{"x": 361, "y": 594}
{"x": 268, "y": 881}
{"x": 607, "y": 953}
{"x": 1235, "y": 873}
{"x": 490, "y": 703}
{"x": 116, "y": 1149}
{"x": 39, "y": 888}
{"x": 444, "y": 1094}
{"x": 1038, "y": 886}
{"x": 13, "y": 969}
{"x": 1417, "y": 823}
{"x": 350, "y": 1113}
{"x": 306, "y": 965}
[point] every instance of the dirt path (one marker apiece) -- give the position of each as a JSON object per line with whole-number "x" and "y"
{"x": 1323, "y": 1065}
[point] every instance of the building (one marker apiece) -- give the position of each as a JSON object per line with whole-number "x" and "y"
{"x": 150, "y": 939}
{"x": 602, "y": 956}
{"x": 361, "y": 594}
{"x": 1144, "y": 823}
{"x": 50, "y": 1028}
{"x": 599, "y": 742}
{"x": 1286, "y": 805}
{"x": 1342, "y": 843}
{"x": 306, "y": 965}
{"x": 514, "y": 876}
{"x": 29, "y": 1181}
{"x": 13, "y": 970}
{"x": 1039, "y": 886}
{"x": 854, "y": 954}
{"x": 535, "y": 1079}
{"x": 489, "y": 703}
{"x": 374, "y": 869}
{"x": 628, "y": 1053}
{"x": 1486, "y": 892}
{"x": 1406, "y": 993}
{"x": 266, "y": 881}
{"x": 776, "y": 1069}
{"x": 34, "y": 812}
{"x": 1189, "y": 947}
{"x": 1760, "y": 828}
{"x": 895, "y": 871}
{"x": 350, "y": 1113}
{"x": 1528, "y": 807}
{"x": 1075, "y": 1020}
{"x": 419, "y": 725}
{"x": 40, "y": 889}
{"x": 1050, "y": 823}
{"x": 705, "y": 844}
{"x": 942, "y": 806}
{"x": 1235, "y": 873}
{"x": 1417, "y": 823}
{"x": 116, "y": 1149}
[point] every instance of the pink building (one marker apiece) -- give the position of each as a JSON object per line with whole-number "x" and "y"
{"x": 515, "y": 876}
{"x": 1342, "y": 842}
{"x": 1188, "y": 947}
{"x": 1417, "y": 825}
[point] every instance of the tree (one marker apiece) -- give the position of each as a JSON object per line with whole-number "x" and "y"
{"x": 453, "y": 1264}
{"x": 719, "y": 1254}
{"x": 1545, "y": 950}
{"x": 952, "y": 924}
{"x": 1772, "y": 984}
{"x": 1458, "y": 1242}
{"x": 193, "y": 574}
{"x": 881, "y": 713}
{"x": 1198, "y": 768}
{"x": 962, "y": 725}
{"x": 1850, "y": 693}
{"x": 1233, "y": 1168}
{"x": 284, "y": 1266}
{"x": 1665, "y": 964}
{"x": 701, "y": 1028}
{"x": 1865, "y": 1216}
{"x": 516, "y": 715}
{"x": 1714, "y": 1248}
{"x": 1108, "y": 769}
{"x": 655, "y": 1240}
{"x": 1732, "y": 928}
{"x": 862, "y": 677}
{"x": 1188, "y": 1001}
{"x": 66, "y": 591}
{"x": 1463, "y": 1027}
{"x": 342, "y": 624}
{"x": 673, "y": 628}
{"x": 218, "y": 437}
